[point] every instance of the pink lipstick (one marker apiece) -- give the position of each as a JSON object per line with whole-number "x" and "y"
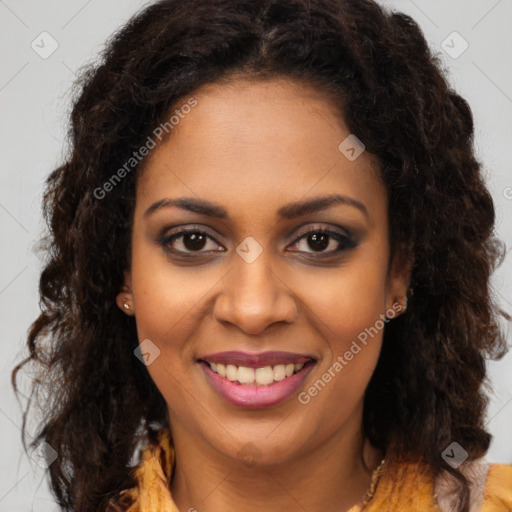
{"x": 256, "y": 380}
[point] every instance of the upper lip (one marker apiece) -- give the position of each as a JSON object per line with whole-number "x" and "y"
{"x": 262, "y": 359}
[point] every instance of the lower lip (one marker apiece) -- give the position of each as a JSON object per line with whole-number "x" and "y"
{"x": 256, "y": 397}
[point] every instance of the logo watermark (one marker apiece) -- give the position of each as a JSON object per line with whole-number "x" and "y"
{"x": 352, "y": 148}
{"x": 249, "y": 249}
{"x": 146, "y": 352}
{"x": 454, "y": 455}
{"x": 44, "y": 45}
{"x": 454, "y": 45}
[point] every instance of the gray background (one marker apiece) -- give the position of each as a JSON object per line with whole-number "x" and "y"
{"x": 34, "y": 101}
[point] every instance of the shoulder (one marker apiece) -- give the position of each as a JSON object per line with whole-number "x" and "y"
{"x": 411, "y": 487}
{"x": 490, "y": 487}
{"x": 497, "y": 494}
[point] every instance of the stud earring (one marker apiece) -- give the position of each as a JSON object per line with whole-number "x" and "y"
{"x": 125, "y": 305}
{"x": 410, "y": 292}
{"x": 403, "y": 307}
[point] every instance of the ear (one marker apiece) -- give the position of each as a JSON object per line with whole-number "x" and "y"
{"x": 124, "y": 298}
{"x": 398, "y": 283}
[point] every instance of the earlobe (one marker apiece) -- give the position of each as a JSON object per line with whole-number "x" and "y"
{"x": 399, "y": 289}
{"x": 124, "y": 298}
{"x": 402, "y": 303}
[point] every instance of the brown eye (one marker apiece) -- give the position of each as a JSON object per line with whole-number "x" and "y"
{"x": 188, "y": 241}
{"x": 324, "y": 242}
{"x": 318, "y": 241}
{"x": 194, "y": 241}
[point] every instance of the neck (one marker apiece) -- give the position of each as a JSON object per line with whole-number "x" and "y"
{"x": 327, "y": 476}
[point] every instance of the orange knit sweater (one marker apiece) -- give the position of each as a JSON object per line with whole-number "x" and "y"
{"x": 407, "y": 487}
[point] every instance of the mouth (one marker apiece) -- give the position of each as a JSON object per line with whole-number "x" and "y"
{"x": 263, "y": 376}
{"x": 256, "y": 380}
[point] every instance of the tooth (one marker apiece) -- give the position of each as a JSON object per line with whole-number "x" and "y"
{"x": 261, "y": 376}
{"x": 245, "y": 375}
{"x": 264, "y": 376}
{"x": 221, "y": 369}
{"x": 231, "y": 372}
{"x": 279, "y": 372}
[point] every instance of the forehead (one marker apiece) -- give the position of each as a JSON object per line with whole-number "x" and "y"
{"x": 248, "y": 143}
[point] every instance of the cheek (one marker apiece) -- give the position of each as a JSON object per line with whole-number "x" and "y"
{"x": 168, "y": 302}
{"x": 347, "y": 307}
{"x": 344, "y": 302}
{"x": 349, "y": 319}
{"x": 165, "y": 306}
{"x": 166, "y": 297}
{"x": 352, "y": 330}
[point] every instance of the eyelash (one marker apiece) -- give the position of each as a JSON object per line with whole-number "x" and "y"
{"x": 345, "y": 241}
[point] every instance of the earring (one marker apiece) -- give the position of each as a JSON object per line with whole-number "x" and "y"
{"x": 124, "y": 302}
{"x": 410, "y": 293}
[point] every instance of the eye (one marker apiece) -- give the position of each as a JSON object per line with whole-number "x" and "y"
{"x": 189, "y": 240}
{"x": 323, "y": 241}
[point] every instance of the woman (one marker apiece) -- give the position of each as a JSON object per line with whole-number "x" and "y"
{"x": 269, "y": 271}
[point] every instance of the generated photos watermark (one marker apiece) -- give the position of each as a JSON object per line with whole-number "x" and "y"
{"x": 137, "y": 156}
{"x": 342, "y": 360}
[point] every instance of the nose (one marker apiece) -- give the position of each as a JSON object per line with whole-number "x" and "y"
{"x": 253, "y": 297}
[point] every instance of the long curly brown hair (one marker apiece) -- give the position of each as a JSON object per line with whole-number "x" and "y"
{"x": 428, "y": 387}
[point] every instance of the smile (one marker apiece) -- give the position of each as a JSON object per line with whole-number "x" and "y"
{"x": 256, "y": 381}
{"x": 258, "y": 376}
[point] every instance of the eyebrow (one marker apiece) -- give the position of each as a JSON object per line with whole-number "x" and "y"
{"x": 288, "y": 211}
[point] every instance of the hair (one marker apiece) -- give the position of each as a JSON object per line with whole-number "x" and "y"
{"x": 427, "y": 390}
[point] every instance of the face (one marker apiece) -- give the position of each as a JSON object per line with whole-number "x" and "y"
{"x": 260, "y": 259}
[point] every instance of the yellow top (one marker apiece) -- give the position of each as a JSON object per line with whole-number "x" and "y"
{"x": 405, "y": 487}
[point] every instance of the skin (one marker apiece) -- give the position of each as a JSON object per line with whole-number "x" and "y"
{"x": 252, "y": 147}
